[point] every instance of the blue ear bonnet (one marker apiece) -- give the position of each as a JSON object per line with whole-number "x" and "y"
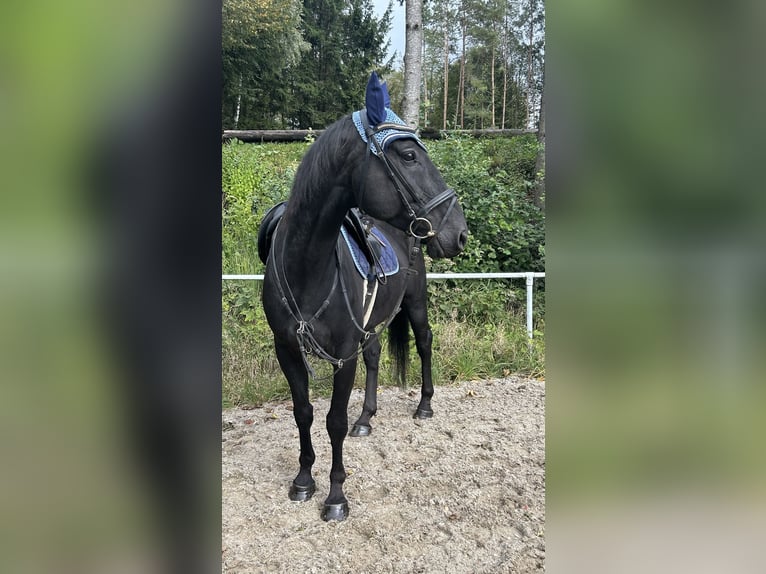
{"x": 378, "y": 108}
{"x": 376, "y": 100}
{"x": 387, "y": 135}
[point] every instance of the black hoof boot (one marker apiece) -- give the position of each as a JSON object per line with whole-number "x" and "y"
{"x": 335, "y": 512}
{"x": 360, "y": 430}
{"x": 300, "y": 493}
{"x": 423, "y": 414}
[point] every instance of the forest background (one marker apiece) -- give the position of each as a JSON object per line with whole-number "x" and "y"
{"x": 304, "y": 63}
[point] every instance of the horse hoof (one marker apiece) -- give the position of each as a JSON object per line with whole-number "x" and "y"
{"x": 360, "y": 430}
{"x": 335, "y": 512}
{"x": 423, "y": 414}
{"x": 300, "y": 493}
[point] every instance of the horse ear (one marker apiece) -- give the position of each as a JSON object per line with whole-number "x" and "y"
{"x": 375, "y": 100}
{"x": 386, "y": 97}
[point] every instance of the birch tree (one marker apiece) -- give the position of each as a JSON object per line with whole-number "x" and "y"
{"x": 413, "y": 61}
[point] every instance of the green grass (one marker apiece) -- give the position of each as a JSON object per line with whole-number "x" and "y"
{"x": 464, "y": 348}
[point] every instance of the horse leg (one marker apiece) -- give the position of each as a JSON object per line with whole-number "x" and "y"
{"x": 292, "y": 365}
{"x": 336, "y": 505}
{"x": 362, "y": 426}
{"x": 423, "y": 338}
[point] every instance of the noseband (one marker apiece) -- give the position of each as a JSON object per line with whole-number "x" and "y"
{"x": 420, "y": 226}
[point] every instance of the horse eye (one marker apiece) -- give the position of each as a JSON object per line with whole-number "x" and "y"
{"x": 408, "y": 155}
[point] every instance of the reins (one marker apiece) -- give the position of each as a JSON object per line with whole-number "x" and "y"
{"x": 305, "y": 330}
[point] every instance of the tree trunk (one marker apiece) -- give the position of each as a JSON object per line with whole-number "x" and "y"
{"x": 505, "y": 92}
{"x": 539, "y": 189}
{"x": 446, "y": 76}
{"x": 518, "y": 95}
{"x": 426, "y": 99}
{"x": 461, "y": 84}
{"x": 260, "y": 136}
{"x": 413, "y": 61}
{"x": 492, "y": 73}
{"x": 530, "y": 87}
{"x": 239, "y": 103}
{"x": 505, "y": 64}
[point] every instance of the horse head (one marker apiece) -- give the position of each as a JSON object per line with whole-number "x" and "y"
{"x": 401, "y": 185}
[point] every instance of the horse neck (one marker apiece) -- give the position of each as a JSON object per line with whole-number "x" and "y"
{"x": 311, "y": 234}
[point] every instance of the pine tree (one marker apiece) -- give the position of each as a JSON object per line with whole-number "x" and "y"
{"x": 346, "y": 42}
{"x": 259, "y": 42}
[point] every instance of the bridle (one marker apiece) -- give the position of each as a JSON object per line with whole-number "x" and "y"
{"x": 420, "y": 226}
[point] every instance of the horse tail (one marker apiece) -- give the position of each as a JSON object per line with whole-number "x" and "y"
{"x": 399, "y": 345}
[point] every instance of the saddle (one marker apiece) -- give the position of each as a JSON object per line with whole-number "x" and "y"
{"x": 372, "y": 253}
{"x": 267, "y": 227}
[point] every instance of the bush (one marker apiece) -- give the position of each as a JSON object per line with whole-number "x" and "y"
{"x": 253, "y": 178}
{"x": 493, "y": 178}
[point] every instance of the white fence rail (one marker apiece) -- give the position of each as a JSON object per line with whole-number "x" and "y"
{"x": 528, "y": 275}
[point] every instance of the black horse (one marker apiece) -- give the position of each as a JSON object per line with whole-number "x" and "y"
{"x": 314, "y": 300}
{"x": 413, "y": 310}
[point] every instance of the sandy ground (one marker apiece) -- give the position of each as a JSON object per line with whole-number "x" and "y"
{"x": 462, "y": 492}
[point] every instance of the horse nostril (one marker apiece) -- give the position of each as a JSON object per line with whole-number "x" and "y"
{"x": 462, "y": 239}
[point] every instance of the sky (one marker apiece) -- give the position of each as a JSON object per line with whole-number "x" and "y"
{"x": 396, "y": 35}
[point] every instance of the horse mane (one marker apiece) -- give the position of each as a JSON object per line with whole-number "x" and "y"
{"x": 322, "y": 163}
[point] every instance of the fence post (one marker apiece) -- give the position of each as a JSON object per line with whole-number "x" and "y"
{"x": 530, "y": 283}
